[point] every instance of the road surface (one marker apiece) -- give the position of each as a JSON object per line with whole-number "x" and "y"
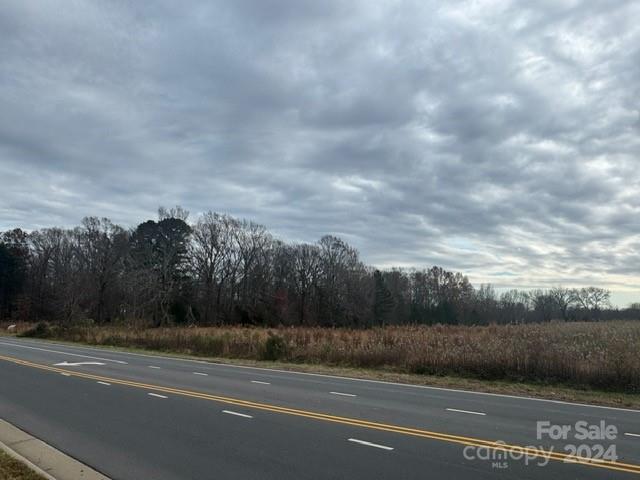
{"x": 138, "y": 416}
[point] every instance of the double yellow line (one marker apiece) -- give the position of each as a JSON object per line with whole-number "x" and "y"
{"x": 467, "y": 441}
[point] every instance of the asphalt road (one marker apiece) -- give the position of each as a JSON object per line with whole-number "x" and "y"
{"x": 135, "y": 416}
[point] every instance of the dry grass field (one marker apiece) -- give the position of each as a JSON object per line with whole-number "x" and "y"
{"x": 585, "y": 355}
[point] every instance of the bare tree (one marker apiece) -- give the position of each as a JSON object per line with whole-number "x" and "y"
{"x": 251, "y": 242}
{"x": 102, "y": 247}
{"x": 306, "y": 263}
{"x": 210, "y": 253}
{"x": 514, "y": 306}
{"x": 176, "y": 212}
{"x": 563, "y": 299}
{"x": 338, "y": 268}
{"x": 592, "y": 299}
{"x": 543, "y": 304}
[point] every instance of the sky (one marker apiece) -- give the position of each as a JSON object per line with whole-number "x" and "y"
{"x": 496, "y": 138}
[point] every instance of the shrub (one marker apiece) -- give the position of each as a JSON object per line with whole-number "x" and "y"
{"x": 41, "y": 330}
{"x": 275, "y": 347}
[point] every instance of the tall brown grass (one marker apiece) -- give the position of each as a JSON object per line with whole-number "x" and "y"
{"x": 599, "y": 355}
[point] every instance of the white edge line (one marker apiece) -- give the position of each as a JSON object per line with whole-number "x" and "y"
{"x": 157, "y": 395}
{"x": 632, "y": 434}
{"x": 62, "y": 353}
{"x": 366, "y": 380}
{"x": 465, "y": 411}
{"x": 105, "y": 383}
{"x": 343, "y": 394}
{"x": 369, "y": 444}
{"x": 201, "y": 374}
{"x": 260, "y": 383}
{"x": 231, "y": 412}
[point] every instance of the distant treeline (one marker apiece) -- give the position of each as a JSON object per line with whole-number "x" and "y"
{"x": 221, "y": 270}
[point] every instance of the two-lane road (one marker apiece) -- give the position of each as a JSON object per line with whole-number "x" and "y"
{"x": 136, "y": 416}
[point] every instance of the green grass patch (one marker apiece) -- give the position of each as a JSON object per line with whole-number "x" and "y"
{"x": 12, "y": 469}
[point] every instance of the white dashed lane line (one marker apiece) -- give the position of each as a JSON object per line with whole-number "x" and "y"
{"x": 465, "y": 411}
{"x": 156, "y": 395}
{"x": 105, "y": 383}
{"x": 153, "y": 366}
{"x": 201, "y": 374}
{"x": 343, "y": 394}
{"x": 369, "y": 444}
{"x": 260, "y": 383}
{"x": 231, "y": 412}
{"x": 632, "y": 434}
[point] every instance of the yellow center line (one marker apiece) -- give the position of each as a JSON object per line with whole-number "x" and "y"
{"x": 462, "y": 440}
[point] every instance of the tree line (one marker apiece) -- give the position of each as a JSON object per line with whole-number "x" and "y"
{"x": 223, "y": 270}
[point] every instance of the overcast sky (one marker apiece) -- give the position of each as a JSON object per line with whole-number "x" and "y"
{"x": 501, "y": 139}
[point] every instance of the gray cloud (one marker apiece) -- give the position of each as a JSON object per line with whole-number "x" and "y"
{"x": 501, "y": 139}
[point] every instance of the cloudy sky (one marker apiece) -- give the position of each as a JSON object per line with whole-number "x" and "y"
{"x": 497, "y": 138}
